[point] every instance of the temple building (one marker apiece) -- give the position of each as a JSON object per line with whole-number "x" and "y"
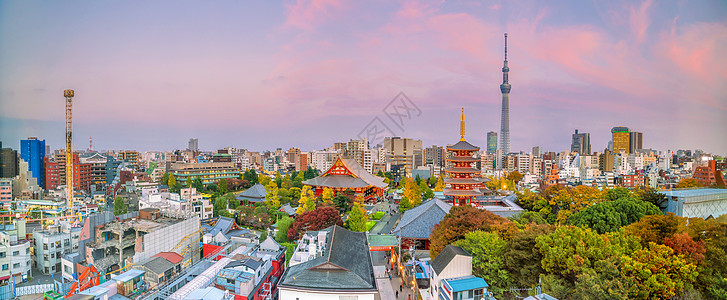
{"x": 346, "y": 174}
{"x": 462, "y": 178}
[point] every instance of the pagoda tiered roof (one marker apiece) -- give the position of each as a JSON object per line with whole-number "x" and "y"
{"x": 463, "y": 145}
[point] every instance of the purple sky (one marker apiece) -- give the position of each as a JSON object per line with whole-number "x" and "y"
{"x": 149, "y": 75}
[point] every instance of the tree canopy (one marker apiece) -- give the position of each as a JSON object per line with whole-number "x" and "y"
{"x": 314, "y": 220}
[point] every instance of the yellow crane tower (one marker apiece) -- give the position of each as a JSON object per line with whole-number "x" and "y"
{"x": 69, "y": 152}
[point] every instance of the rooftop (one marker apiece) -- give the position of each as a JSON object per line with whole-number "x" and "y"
{"x": 466, "y": 283}
{"x": 345, "y": 265}
{"x": 419, "y": 221}
{"x": 695, "y": 192}
{"x": 446, "y": 256}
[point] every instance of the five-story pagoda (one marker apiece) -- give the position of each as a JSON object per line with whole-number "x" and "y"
{"x": 463, "y": 181}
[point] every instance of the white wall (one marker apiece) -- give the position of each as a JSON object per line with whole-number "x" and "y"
{"x": 288, "y": 294}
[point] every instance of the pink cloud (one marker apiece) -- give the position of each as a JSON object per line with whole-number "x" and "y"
{"x": 308, "y": 14}
{"x": 639, "y": 20}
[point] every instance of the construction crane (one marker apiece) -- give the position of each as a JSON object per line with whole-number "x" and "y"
{"x": 87, "y": 279}
{"x": 69, "y": 151}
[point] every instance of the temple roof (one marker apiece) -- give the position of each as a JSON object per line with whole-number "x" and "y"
{"x": 419, "y": 221}
{"x": 462, "y": 159}
{"x": 464, "y": 180}
{"x": 461, "y": 170}
{"x": 356, "y": 177}
{"x": 463, "y": 145}
{"x": 452, "y": 192}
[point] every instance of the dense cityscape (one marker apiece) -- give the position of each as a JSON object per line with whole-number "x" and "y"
{"x": 380, "y": 214}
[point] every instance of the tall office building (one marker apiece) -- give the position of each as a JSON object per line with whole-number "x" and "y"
{"x": 536, "y": 151}
{"x": 404, "y": 154}
{"x": 620, "y": 139}
{"x": 581, "y": 143}
{"x": 491, "y": 142}
{"x": 193, "y": 145}
{"x": 32, "y": 151}
{"x": 505, "y": 117}
{"x": 8, "y": 162}
{"x": 434, "y": 155}
{"x": 636, "y": 141}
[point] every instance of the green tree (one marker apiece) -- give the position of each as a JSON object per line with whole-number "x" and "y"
{"x": 188, "y": 182}
{"x": 283, "y": 226}
{"x": 197, "y": 184}
{"x": 264, "y": 180}
{"x": 427, "y": 193}
{"x": 655, "y": 273}
{"x": 652, "y": 196}
{"x": 271, "y": 197}
{"x": 610, "y": 216}
{"x": 222, "y": 186}
{"x": 522, "y": 258}
{"x": 278, "y": 179}
{"x": 343, "y": 202}
{"x": 219, "y": 207}
{"x": 412, "y": 194}
{"x": 570, "y": 251}
{"x": 432, "y": 180}
{"x": 120, "y": 207}
{"x": 357, "y": 218}
{"x": 462, "y": 219}
{"x": 487, "y": 250}
{"x": 165, "y": 178}
{"x": 617, "y": 193}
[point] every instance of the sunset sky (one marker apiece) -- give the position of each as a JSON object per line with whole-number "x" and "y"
{"x": 148, "y": 75}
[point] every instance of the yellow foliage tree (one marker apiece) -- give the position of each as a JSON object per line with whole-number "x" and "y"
{"x": 440, "y": 184}
{"x": 327, "y": 196}
{"x": 307, "y": 200}
{"x": 271, "y": 196}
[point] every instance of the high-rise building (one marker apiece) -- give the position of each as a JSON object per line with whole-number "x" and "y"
{"x": 491, "y": 142}
{"x": 193, "y": 145}
{"x": 293, "y": 154}
{"x": 505, "y": 117}
{"x": 606, "y": 161}
{"x": 8, "y": 162}
{"x": 536, "y": 151}
{"x": 581, "y": 143}
{"x": 636, "y": 141}
{"x": 405, "y": 153}
{"x": 32, "y": 151}
{"x": 131, "y": 157}
{"x": 620, "y": 139}
{"x": 434, "y": 155}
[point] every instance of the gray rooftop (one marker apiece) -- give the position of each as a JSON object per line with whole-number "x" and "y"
{"x": 158, "y": 265}
{"x": 345, "y": 265}
{"x": 256, "y": 193}
{"x": 419, "y": 221}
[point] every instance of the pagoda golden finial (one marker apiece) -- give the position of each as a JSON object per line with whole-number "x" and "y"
{"x": 461, "y": 125}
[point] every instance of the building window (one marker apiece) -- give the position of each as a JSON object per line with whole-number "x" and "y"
{"x": 16, "y": 253}
{"x": 2, "y": 254}
{"x": 16, "y": 266}
{"x": 5, "y": 267}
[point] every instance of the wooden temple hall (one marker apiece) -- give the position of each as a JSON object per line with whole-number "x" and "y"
{"x": 463, "y": 181}
{"x": 347, "y": 173}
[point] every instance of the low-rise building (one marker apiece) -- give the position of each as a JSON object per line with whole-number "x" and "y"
{"x": 451, "y": 276}
{"x": 50, "y": 245}
{"x": 207, "y": 172}
{"x": 344, "y": 271}
{"x": 14, "y": 253}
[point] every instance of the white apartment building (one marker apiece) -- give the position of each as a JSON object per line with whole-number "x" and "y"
{"x": 523, "y": 163}
{"x": 15, "y": 262}
{"x": 52, "y": 244}
{"x": 323, "y": 160}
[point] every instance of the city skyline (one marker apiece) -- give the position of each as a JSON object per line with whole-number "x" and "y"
{"x": 308, "y": 73}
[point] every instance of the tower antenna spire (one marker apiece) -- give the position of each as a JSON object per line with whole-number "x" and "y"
{"x": 461, "y": 125}
{"x": 505, "y": 46}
